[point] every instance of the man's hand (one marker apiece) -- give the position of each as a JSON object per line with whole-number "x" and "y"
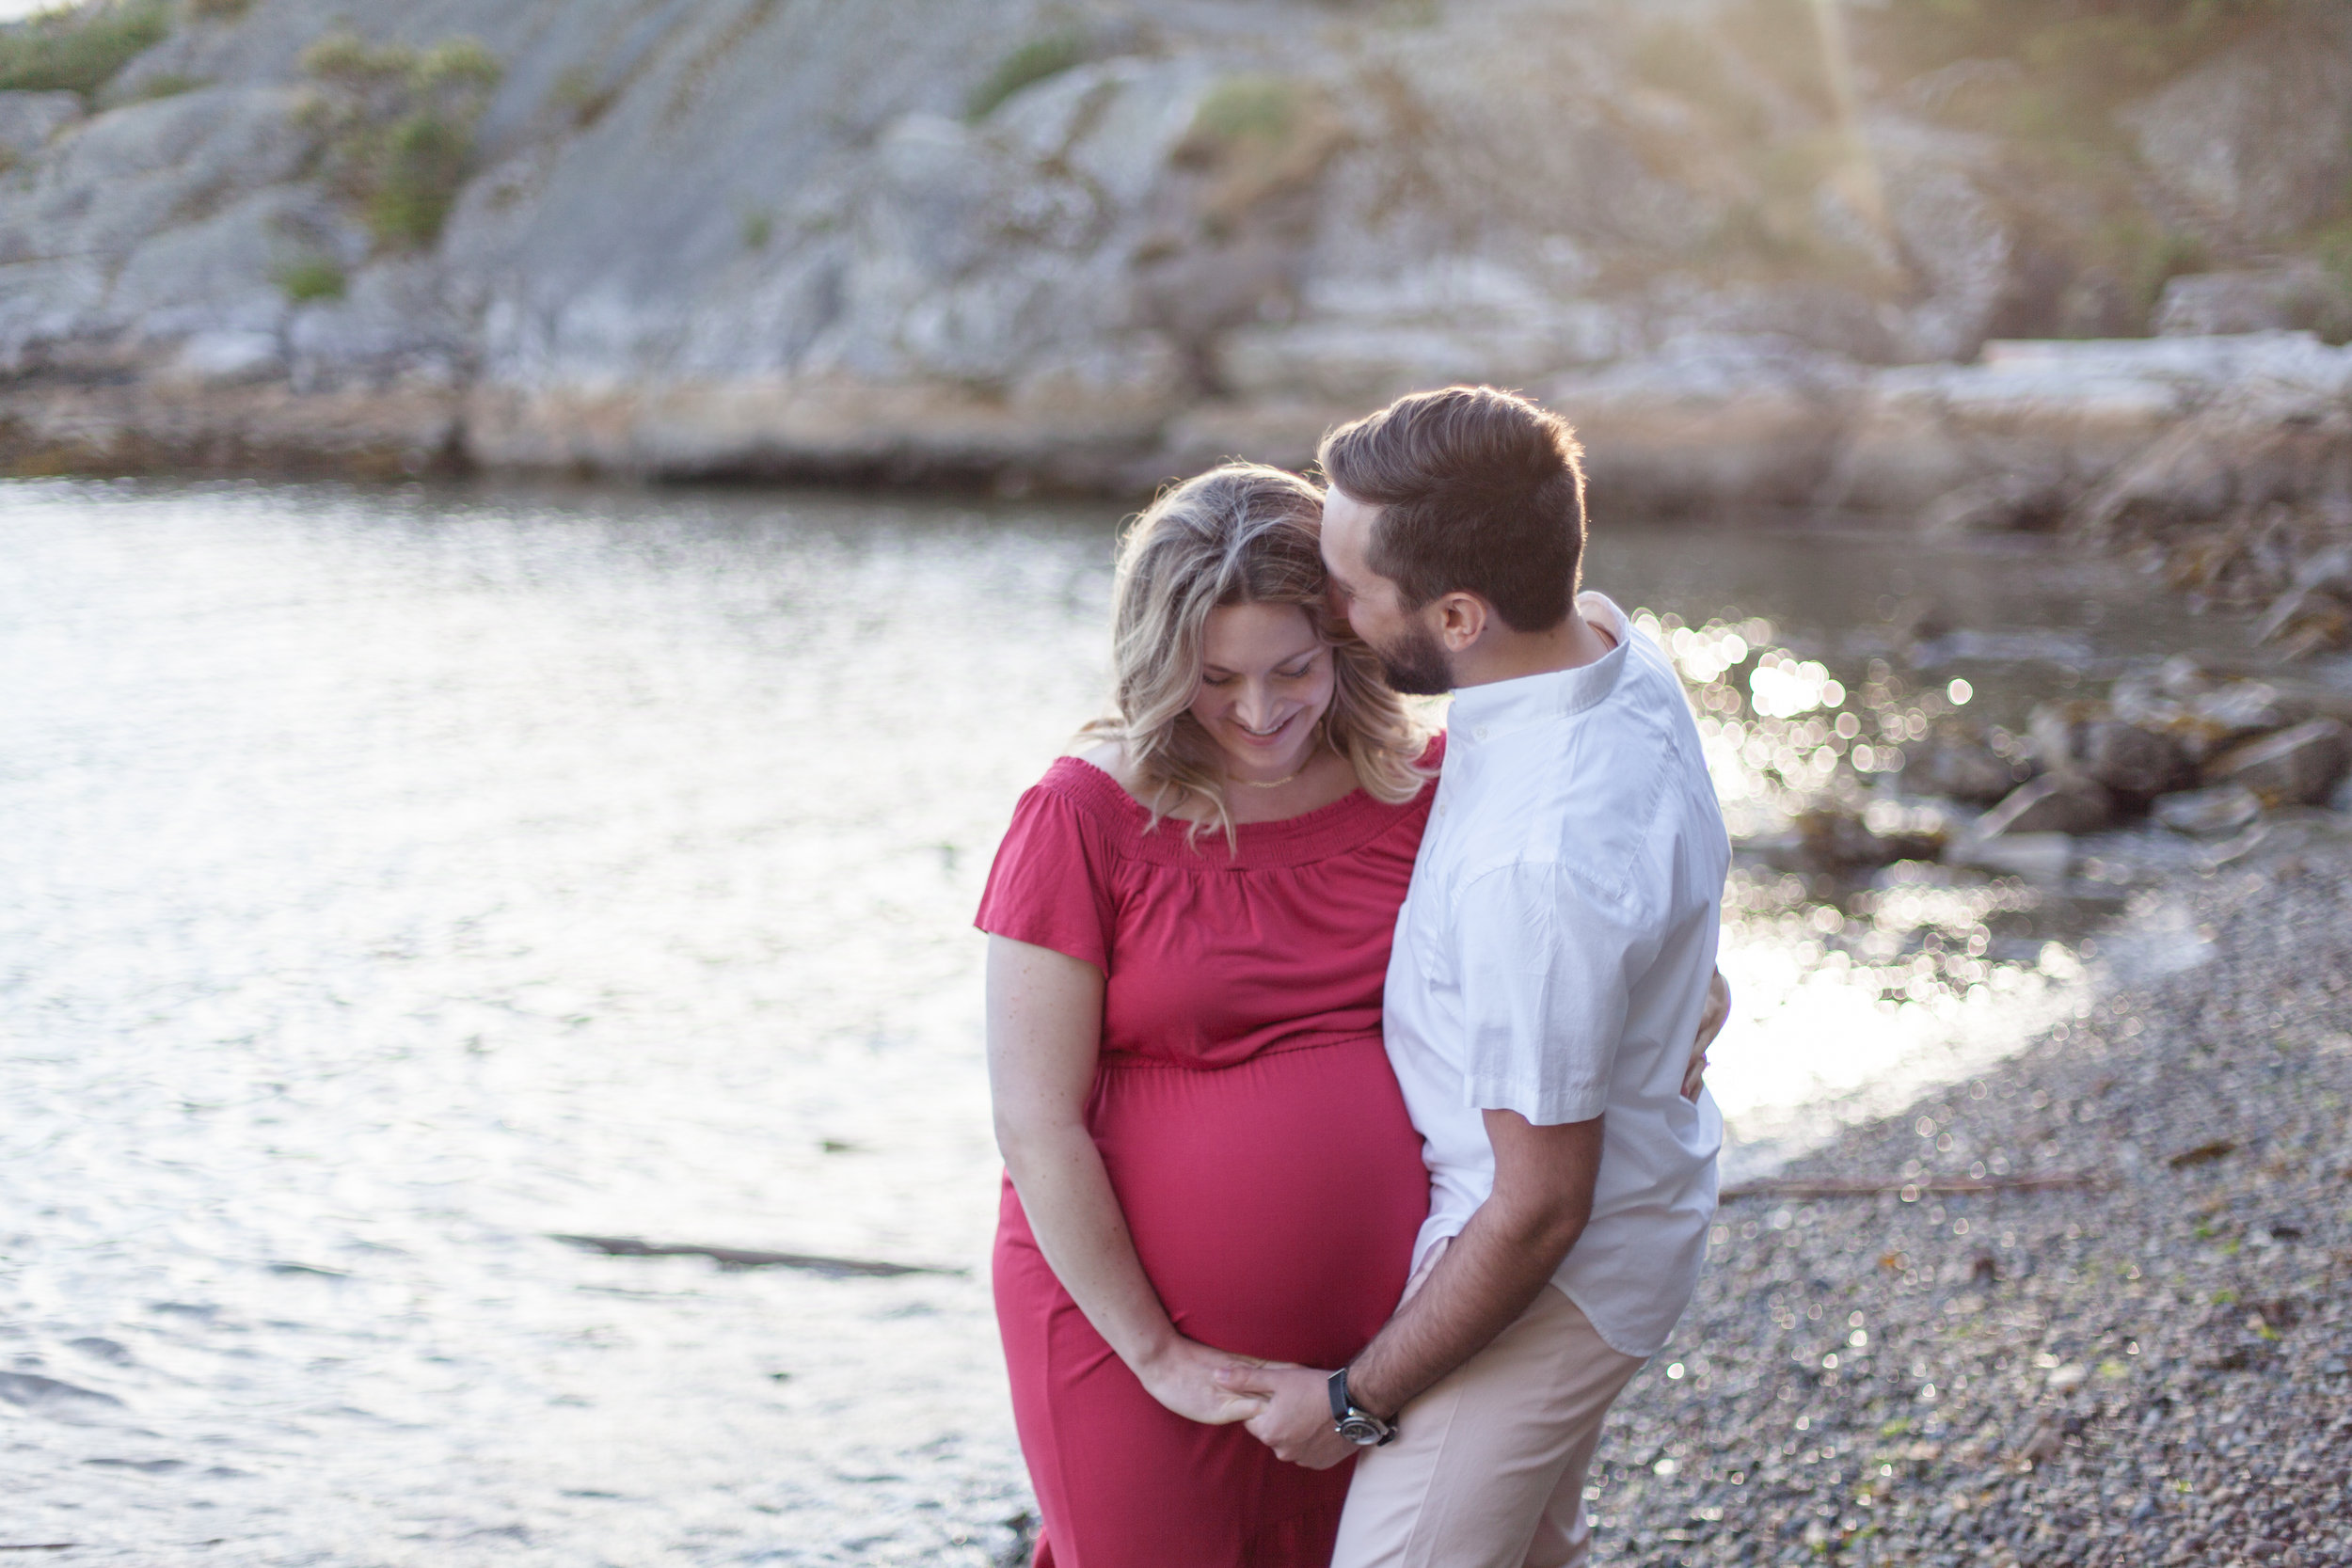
{"x": 1712, "y": 1023}
{"x": 1188, "y": 1377}
{"x": 1295, "y": 1418}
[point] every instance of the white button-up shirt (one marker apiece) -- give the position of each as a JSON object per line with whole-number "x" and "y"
{"x": 1553, "y": 958}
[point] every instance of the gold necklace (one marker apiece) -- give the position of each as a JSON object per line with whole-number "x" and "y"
{"x": 1269, "y": 784}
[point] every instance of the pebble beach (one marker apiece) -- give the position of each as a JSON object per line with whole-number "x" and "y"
{"x": 2152, "y": 1367}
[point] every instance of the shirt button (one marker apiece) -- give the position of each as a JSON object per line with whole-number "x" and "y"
{"x": 1480, "y": 732}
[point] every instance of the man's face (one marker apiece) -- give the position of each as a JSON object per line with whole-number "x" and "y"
{"x": 1412, "y": 658}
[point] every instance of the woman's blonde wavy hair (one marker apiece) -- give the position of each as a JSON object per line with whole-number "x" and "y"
{"x": 1241, "y": 533}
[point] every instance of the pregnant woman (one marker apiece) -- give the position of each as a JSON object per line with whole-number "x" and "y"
{"x": 1205, "y": 1148}
{"x": 1204, "y": 1141}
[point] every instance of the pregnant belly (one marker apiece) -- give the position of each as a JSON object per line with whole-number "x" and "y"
{"x": 1274, "y": 1204}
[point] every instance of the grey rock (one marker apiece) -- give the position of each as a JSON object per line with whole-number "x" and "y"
{"x": 1960, "y": 766}
{"x": 2090, "y": 742}
{"x": 2308, "y": 619}
{"x": 778, "y": 244}
{"x": 231, "y": 356}
{"x": 2277, "y": 429}
{"x": 2258, "y": 142}
{"x": 1952, "y": 234}
{"x": 2203, "y": 719}
{"x": 2299, "y": 294}
{"x": 2296, "y": 767}
{"x": 2330, "y": 570}
{"x": 1711, "y": 420}
{"x": 2242, "y": 708}
{"x": 2214, "y": 813}
{"x": 218, "y": 273}
{"x": 2054, "y": 803}
{"x": 29, "y": 119}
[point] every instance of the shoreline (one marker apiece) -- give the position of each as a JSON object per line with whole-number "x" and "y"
{"x": 2157, "y": 1369}
{"x": 2026, "y": 437}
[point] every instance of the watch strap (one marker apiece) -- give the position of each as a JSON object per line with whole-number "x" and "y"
{"x": 1337, "y": 1384}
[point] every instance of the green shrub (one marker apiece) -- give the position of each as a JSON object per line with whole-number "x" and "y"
{"x": 80, "y": 50}
{"x": 397, "y": 128}
{"x": 424, "y": 164}
{"x": 1262, "y": 109}
{"x": 166, "y": 84}
{"x": 1049, "y": 54}
{"x": 1255, "y": 136}
{"x": 312, "y": 277}
{"x": 218, "y": 10}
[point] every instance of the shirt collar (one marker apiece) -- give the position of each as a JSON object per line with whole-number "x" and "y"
{"x": 1489, "y": 711}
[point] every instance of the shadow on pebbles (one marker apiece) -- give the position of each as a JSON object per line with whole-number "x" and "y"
{"x": 2152, "y": 1371}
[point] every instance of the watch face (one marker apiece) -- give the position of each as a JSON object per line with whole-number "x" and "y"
{"x": 1363, "y": 1431}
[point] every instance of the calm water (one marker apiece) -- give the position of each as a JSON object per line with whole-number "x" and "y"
{"x": 390, "y": 880}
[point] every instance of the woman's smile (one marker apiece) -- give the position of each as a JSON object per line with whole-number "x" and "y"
{"x": 1265, "y": 679}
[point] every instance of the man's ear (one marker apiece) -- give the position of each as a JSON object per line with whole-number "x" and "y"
{"x": 1461, "y": 621}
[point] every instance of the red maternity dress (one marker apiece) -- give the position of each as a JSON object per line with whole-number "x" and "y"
{"x": 1255, "y": 1137}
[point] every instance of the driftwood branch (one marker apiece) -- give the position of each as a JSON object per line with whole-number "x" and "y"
{"x": 743, "y": 1258}
{"x": 38, "y": 1546}
{"x": 1922, "y": 1186}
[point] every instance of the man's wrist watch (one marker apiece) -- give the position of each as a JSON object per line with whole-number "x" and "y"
{"x": 1359, "y": 1427}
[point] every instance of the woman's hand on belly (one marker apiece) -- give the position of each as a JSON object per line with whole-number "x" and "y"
{"x": 1181, "y": 1375}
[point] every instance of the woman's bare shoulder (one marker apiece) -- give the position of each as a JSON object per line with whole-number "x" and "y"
{"x": 1108, "y": 755}
{"x": 1112, "y": 757}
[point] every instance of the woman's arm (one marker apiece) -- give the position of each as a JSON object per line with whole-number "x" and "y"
{"x": 1044, "y": 1024}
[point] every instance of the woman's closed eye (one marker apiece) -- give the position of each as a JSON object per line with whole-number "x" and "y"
{"x": 1298, "y": 672}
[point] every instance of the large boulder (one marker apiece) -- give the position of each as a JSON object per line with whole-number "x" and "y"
{"x": 2045, "y": 420}
{"x": 2297, "y": 767}
{"x": 2089, "y": 740}
{"x": 29, "y": 119}
{"x": 1710, "y": 422}
{"x": 2257, "y": 143}
{"x": 1359, "y": 342}
{"x": 2274, "y": 423}
{"x": 1959, "y": 763}
{"x": 2201, "y": 717}
{"x": 2296, "y": 295}
{"x": 2316, "y": 611}
{"x": 1952, "y": 235}
{"x": 2213, "y": 813}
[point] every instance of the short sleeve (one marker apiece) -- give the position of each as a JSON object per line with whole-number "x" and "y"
{"x": 1049, "y": 885}
{"x": 1546, "y": 981}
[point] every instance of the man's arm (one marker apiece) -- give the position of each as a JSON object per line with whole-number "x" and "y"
{"x": 1509, "y": 1250}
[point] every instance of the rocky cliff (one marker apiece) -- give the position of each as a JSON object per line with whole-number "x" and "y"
{"x": 1755, "y": 247}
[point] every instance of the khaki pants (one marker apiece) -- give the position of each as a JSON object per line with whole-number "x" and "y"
{"x": 1487, "y": 1470}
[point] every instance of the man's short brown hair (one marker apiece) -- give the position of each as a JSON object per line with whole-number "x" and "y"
{"x": 1480, "y": 491}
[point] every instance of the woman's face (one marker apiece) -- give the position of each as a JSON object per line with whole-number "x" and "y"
{"x": 1265, "y": 681}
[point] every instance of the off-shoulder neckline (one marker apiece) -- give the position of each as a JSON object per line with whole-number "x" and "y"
{"x": 1348, "y": 823}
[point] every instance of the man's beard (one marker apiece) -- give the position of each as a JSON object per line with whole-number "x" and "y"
{"x": 1415, "y": 664}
